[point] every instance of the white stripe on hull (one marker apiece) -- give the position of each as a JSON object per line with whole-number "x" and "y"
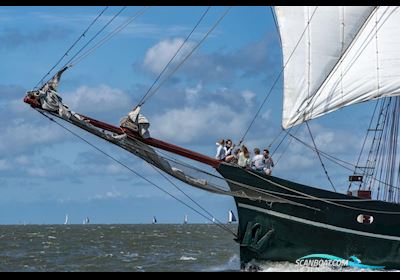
{"x": 317, "y": 224}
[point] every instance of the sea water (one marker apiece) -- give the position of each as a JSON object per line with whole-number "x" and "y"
{"x": 158, "y": 247}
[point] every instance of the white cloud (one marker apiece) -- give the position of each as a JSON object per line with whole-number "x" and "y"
{"x": 294, "y": 162}
{"x": 108, "y": 195}
{"x": 100, "y": 99}
{"x": 190, "y": 124}
{"x": 192, "y": 94}
{"x": 159, "y": 55}
{"x": 37, "y": 172}
{"x": 23, "y": 136}
{"x": 324, "y": 139}
{"x": 22, "y": 160}
{"x": 267, "y": 115}
{"x": 4, "y": 165}
{"x": 248, "y": 97}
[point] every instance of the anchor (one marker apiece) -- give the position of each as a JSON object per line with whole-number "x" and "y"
{"x": 254, "y": 239}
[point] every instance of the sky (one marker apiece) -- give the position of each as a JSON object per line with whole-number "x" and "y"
{"x": 46, "y": 173}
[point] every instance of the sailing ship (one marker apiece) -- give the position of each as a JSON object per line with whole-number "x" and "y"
{"x": 154, "y": 220}
{"x": 231, "y": 217}
{"x": 86, "y": 221}
{"x": 185, "y": 219}
{"x": 332, "y": 57}
{"x": 66, "y": 220}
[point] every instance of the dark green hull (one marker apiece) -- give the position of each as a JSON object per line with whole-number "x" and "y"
{"x": 299, "y": 225}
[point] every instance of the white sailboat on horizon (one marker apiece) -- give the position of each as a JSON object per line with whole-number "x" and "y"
{"x": 66, "y": 219}
{"x": 231, "y": 217}
{"x": 185, "y": 219}
{"x": 86, "y": 221}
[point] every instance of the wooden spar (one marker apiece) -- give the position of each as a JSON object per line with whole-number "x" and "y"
{"x": 149, "y": 141}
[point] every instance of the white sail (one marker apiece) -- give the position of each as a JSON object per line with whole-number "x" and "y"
{"x": 66, "y": 219}
{"x": 185, "y": 219}
{"x": 231, "y": 217}
{"x": 345, "y": 55}
{"x": 154, "y": 220}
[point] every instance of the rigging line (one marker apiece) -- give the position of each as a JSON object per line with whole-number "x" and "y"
{"x": 366, "y": 136}
{"x": 320, "y": 159}
{"x": 130, "y": 169}
{"x": 97, "y": 34}
{"x": 109, "y": 36}
{"x": 191, "y": 199}
{"x": 276, "y": 24}
{"x": 154, "y": 164}
{"x": 255, "y": 189}
{"x": 326, "y": 155}
{"x": 358, "y": 53}
{"x": 248, "y": 186}
{"x": 278, "y": 77}
{"x": 190, "y": 53}
{"x": 287, "y": 145}
{"x": 322, "y": 199}
{"x": 378, "y": 154}
{"x": 73, "y": 45}
{"x": 276, "y": 138}
{"x": 176, "y": 53}
{"x": 282, "y": 140}
{"x": 251, "y": 188}
{"x": 336, "y": 66}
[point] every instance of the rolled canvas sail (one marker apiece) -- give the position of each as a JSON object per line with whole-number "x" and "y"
{"x": 337, "y": 56}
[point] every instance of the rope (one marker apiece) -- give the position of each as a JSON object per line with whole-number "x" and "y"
{"x": 134, "y": 172}
{"x": 109, "y": 36}
{"x": 303, "y": 195}
{"x": 326, "y": 155}
{"x": 370, "y": 36}
{"x": 320, "y": 159}
{"x": 97, "y": 34}
{"x": 255, "y": 189}
{"x": 277, "y": 78}
{"x": 191, "y": 199}
{"x": 276, "y": 24}
{"x": 176, "y": 53}
{"x": 287, "y": 145}
{"x": 322, "y": 199}
{"x": 190, "y": 53}
{"x": 73, "y": 45}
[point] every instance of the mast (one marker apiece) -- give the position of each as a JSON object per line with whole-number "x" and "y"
{"x": 381, "y": 169}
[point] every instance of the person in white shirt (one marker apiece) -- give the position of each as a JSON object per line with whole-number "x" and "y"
{"x": 221, "y": 150}
{"x": 257, "y": 162}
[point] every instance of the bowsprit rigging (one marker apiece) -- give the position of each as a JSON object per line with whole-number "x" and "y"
{"x": 280, "y": 219}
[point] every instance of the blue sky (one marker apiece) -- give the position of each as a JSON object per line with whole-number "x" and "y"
{"x": 46, "y": 173}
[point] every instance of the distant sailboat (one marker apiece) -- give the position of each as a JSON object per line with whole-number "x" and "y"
{"x": 231, "y": 217}
{"x": 154, "y": 220}
{"x": 66, "y": 219}
{"x": 86, "y": 221}
{"x": 185, "y": 220}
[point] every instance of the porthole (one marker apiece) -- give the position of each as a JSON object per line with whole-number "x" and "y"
{"x": 365, "y": 219}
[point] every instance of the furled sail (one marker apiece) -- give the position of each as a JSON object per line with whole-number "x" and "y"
{"x": 337, "y": 56}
